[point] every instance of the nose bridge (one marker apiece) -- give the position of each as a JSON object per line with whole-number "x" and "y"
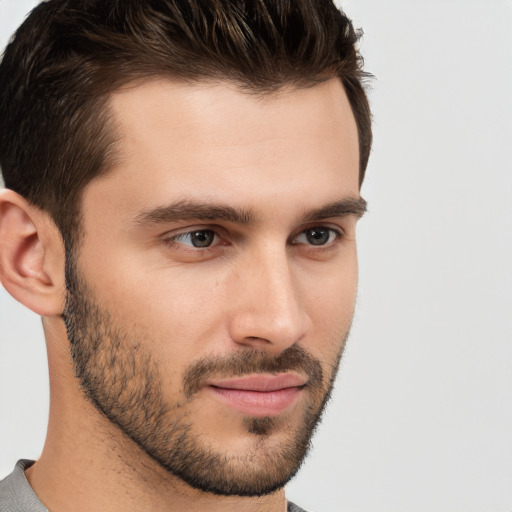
{"x": 269, "y": 309}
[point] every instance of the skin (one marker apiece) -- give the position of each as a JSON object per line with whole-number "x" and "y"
{"x": 261, "y": 288}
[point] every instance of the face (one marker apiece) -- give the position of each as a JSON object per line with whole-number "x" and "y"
{"x": 213, "y": 290}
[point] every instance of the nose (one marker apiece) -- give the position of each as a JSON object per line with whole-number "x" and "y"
{"x": 268, "y": 313}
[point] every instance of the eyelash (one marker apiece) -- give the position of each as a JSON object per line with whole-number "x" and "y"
{"x": 174, "y": 240}
{"x": 336, "y": 232}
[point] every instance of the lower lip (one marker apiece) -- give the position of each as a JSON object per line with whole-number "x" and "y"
{"x": 258, "y": 403}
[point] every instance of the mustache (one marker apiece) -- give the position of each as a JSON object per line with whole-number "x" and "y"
{"x": 249, "y": 362}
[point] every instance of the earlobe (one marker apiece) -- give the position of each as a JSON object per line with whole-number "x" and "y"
{"x": 31, "y": 255}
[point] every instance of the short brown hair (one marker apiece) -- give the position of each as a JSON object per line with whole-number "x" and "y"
{"x": 65, "y": 60}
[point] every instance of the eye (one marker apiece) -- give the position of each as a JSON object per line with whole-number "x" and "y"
{"x": 200, "y": 238}
{"x": 317, "y": 236}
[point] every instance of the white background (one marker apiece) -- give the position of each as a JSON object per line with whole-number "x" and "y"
{"x": 422, "y": 416}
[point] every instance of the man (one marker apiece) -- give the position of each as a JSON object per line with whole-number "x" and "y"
{"x": 182, "y": 191}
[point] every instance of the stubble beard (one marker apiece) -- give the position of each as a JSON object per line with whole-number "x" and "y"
{"x": 122, "y": 380}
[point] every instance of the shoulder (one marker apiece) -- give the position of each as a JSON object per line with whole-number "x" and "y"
{"x": 16, "y": 495}
{"x": 294, "y": 508}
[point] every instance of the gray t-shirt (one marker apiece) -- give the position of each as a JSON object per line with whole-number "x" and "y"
{"x": 16, "y": 495}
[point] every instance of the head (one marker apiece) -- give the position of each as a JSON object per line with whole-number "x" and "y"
{"x": 201, "y": 162}
{"x": 65, "y": 61}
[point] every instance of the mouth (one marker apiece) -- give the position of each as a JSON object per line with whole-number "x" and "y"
{"x": 259, "y": 395}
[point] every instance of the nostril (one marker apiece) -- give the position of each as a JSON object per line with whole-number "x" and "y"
{"x": 258, "y": 338}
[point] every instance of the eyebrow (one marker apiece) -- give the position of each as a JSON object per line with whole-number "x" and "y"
{"x": 342, "y": 208}
{"x": 189, "y": 210}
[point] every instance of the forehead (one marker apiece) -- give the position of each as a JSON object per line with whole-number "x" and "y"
{"x": 222, "y": 112}
{"x": 215, "y": 141}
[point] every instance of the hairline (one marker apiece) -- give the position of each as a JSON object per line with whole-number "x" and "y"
{"x": 111, "y": 126}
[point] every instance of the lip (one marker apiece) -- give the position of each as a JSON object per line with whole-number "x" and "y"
{"x": 259, "y": 395}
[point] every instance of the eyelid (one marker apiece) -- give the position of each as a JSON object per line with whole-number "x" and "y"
{"x": 338, "y": 231}
{"x": 180, "y": 236}
{"x": 223, "y": 238}
{"x": 191, "y": 228}
{"x": 173, "y": 238}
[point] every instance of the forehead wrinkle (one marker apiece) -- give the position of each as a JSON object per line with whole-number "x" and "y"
{"x": 188, "y": 210}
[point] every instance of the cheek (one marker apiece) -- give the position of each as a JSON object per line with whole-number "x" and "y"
{"x": 332, "y": 287}
{"x": 174, "y": 313}
{"x": 330, "y": 304}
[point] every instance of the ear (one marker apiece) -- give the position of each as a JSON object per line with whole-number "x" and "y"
{"x": 31, "y": 255}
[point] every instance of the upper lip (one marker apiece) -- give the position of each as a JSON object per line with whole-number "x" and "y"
{"x": 261, "y": 382}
